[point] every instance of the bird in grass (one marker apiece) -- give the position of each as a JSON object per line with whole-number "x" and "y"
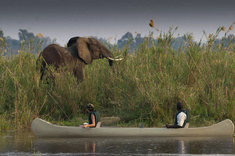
{"x": 151, "y": 24}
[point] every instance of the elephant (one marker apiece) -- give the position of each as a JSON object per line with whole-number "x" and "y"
{"x": 79, "y": 52}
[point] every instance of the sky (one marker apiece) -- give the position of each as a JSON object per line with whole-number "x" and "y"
{"x": 111, "y": 19}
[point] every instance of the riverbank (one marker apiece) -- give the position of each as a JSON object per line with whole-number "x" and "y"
{"x": 142, "y": 88}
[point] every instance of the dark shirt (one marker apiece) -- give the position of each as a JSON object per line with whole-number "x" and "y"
{"x": 97, "y": 117}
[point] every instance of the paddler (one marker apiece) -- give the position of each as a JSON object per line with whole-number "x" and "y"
{"x": 93, "y": 117}
{"x": 182, "y": 117}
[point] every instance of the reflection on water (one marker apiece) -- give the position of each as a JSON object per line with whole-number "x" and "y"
{"x": 24, "y": 143}
{"x": 16, "y": 141}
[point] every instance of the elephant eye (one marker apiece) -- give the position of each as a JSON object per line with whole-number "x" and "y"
{"x": 101, "y": 56}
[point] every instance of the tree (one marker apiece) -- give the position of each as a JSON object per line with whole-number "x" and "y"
{"x": 24, "y": 35}
{"x": 1, "y": 34}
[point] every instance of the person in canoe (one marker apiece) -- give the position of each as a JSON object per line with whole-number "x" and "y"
{"x": 182, "y": 117}
{"x": 93, "y": 117}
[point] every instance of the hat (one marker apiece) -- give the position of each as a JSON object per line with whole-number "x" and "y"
{"x": 89, "y": 105}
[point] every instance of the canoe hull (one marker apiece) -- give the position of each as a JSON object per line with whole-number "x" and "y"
{"x": 45, "y": 129}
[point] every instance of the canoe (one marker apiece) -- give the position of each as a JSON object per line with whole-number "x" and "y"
{"x": 44, "y": 129}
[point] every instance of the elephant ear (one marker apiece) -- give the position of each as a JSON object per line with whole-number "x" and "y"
{"x": 72, "y": 41}
{"x": 83, "y": 50}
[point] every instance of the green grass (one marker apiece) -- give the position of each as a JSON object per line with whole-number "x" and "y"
{"x": 143, "y": 87}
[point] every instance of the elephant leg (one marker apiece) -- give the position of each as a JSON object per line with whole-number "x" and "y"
{"x": 46, "y": 73}
{"x": 79, "y": 73}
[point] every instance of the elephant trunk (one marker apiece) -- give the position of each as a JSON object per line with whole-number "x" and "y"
{"x": 110, "y": 62}
{"x": 108, "y": 54}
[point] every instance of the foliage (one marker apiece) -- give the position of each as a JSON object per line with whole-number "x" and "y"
{"x": 143, "y": 87}
{"x": 27, "y": 42}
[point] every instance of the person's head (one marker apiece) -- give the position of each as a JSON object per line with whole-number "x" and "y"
{"x": 179, "y": 106}
{"x": 90, "y": 107}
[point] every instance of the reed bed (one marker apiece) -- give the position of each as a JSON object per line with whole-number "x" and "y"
{"x": 143, "y": 87}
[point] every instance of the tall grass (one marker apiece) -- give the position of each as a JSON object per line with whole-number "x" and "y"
{"x": 143, "y": 87}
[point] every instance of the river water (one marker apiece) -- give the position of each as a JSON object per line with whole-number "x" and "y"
{"x": 24, "y": 143}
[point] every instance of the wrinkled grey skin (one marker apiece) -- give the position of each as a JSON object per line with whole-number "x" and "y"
{"x": 79, "y": 52}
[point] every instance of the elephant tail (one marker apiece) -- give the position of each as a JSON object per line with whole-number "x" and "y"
{"x": 40, "y": 65}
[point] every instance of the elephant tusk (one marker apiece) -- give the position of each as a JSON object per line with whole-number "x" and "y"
{"x": 114, "y": 59}
{"x": 118, "y": 56}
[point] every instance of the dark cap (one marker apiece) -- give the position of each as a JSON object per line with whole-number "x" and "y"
{"x": 179, "y": 106}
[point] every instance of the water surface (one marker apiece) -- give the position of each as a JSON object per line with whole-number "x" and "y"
{"x": 25, "y": 143}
